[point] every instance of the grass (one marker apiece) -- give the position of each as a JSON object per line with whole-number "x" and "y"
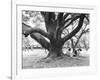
{"x": 31, "y": 59}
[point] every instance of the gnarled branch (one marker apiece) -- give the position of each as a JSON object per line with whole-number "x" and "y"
{"x": 70, "y": 22}
{"x": 41, "y": 40}
{"x": 34, "y": 30}
{"x": 70, "y": 35}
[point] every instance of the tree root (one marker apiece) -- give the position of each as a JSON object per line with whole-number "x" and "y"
{"x": 50, "y": 58}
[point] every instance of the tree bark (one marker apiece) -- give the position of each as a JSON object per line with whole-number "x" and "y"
{"x": 55, "y": 51}
{"x": 41, "y": 40}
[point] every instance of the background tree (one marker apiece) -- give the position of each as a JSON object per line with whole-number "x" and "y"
{"x": 55, "y": 23}
{"x": 34, "y": 19}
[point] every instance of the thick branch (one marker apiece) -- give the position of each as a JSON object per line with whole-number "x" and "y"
{"x": 70, "y": 35}
{"x": 25, "y": 28}
{"x": 49, "y": 18}
{"x": 70, "y": 22}
{"x": 32, "y": 30}
{"x": 60, "y": 20}
{"x": 41, "y": 40}
{"x": 60, "y": 24}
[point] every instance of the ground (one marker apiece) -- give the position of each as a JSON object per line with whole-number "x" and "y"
{"x": 32, "y": 59}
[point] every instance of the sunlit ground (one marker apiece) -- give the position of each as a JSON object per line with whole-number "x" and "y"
{"x": 31, "y": 59}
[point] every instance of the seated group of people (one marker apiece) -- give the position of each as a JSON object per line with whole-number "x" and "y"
{"x": 74, "y": 53}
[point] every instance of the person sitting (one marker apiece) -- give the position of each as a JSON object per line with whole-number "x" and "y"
{"x": 70, "y": 52}
{"x": 79, "y": 51}
{"x": 75, "y": 53}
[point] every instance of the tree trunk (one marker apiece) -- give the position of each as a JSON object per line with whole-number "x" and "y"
{"x": 55, "y": 52}
{"x": 55, "y": 49}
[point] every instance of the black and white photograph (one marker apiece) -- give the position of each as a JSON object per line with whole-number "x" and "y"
{"x": 55, "y": 39}
{"x": 52, "y": 40}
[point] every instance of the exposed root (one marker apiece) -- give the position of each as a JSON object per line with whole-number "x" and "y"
{"x": 51, "y": 58}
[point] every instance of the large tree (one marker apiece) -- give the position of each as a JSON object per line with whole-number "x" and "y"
{"x": 55, "y": 24}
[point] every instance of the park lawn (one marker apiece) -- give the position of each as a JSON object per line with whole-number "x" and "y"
{"x": 34, "y": 61}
